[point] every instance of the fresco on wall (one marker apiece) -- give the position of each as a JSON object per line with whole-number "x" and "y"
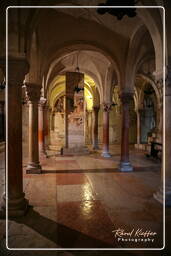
{"x": 75, "y": 109}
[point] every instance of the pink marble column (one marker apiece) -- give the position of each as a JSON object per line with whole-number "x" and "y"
{"x": 17, "y": 204}
{"x": 95, "y": 127}
{"x": 33, "y": 94}
{"x": 106, "y": 110}
{"x": 125, "y": 165}
{"x": 41, "y": 129}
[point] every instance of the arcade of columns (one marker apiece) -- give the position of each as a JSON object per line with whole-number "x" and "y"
{"x": 17, "y": 69}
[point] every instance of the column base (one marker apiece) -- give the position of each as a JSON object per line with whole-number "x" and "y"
{"x": 106, "y": 154}
{"x": 159, "y": 196}
{"x": 33, "y": 169}
{"x": 125, "y": 167}
{"x": 96, "y": 148}
{"x": 43, "y": 154}
{"x": 16, "y": 207}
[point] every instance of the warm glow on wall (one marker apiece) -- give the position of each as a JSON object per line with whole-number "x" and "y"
{"x": 88, "y": 98}
{"x": 57, "y": 88}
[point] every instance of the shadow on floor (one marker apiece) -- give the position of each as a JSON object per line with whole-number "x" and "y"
{"x": 104, "y": 170}
{"x": 63, "y": 236}
{"x": 67, "y": 238}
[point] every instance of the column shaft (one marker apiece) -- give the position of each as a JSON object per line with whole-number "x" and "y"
{"x": 125, "y": 165}
{"x": 65, "y": 123}
{"x": 33, "y": 93}
{"x": 138, "y": 127}
{"x": 95, "y": 127}
{"x": 17, "y": 204}
{"x": 159, "y": 195}
{"x": 42, "y": 127}
{"x": 106, "y": 109}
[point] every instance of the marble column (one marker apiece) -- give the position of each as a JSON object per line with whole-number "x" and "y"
{"x": 106, "y": 110}
{"x": 17, "y": 204}
{"x": 159, "y": 195}
{"x": 33, "y": 95}
{"x": 95, "y": 127}
{"x": 125, "y": 165}
{"x": 2, "y": 121}
{"x": 41, "y": 127}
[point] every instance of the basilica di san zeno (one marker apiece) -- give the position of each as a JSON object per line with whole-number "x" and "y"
{"x": 85, "y": 126}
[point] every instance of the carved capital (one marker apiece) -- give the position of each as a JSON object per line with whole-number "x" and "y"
{"x": 107, "y": 107}
{"x": 126, "y": 97}
{"x": 33, "y": 92}
{"x": 42, "y": 102}
{"x": 17, "y": 69}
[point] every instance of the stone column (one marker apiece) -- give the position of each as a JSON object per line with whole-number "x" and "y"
{"x": 46, "y": 126}
{"x": 65, "y": 123}
{"x": 41, "y": 129}
{"x": 138, "y": 127}
{"x": 52, "y": 120}
{"x": 106, "y": 110}
{"x": 95, "y": 127}
{"x": 89, "y": 112}
{"x": 33, "y": 94}
{"x": 17, "y": 204}
{"x": 2, "y": 121}
{"x": 125, "y": 165}
{"x": 159, "y": 195}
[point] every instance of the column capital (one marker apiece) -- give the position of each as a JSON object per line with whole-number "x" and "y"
{"x": 107, "y": 107}
{"x": 33, "y": 92}
{"x": 17, "y": 69}
{"x": 126, "y": 97}
{"x": 42, "y": 102}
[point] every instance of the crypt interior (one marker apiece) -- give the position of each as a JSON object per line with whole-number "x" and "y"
{"x": 83, "y": 105}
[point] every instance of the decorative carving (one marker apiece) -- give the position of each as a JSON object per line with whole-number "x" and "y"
{"x": 42, "y": 102}
{"x": 107, "y": 107}
{"x": 33, "y": 92}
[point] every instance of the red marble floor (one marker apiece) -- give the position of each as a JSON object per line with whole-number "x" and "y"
{"x": 78, "y": 202}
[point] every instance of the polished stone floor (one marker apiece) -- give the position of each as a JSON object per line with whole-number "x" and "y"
{"x": 79, "y": 201}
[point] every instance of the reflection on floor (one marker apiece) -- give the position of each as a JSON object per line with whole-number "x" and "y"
{"x": 78, "y": 201}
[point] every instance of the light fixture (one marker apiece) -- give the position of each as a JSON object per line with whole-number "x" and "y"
{"x": 118, "y": 12}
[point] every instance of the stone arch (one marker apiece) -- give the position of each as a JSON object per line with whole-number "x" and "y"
{"x": 156, "y": 35}
{"x": 75, "y": 46}
{"x": 158, "y": 96}
{"x": 148, "y": 25}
